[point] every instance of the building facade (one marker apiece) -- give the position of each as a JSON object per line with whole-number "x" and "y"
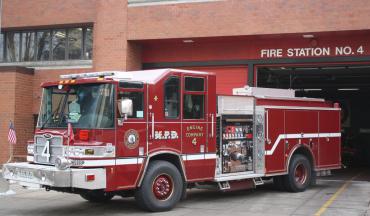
{"x": 271, "y": 43}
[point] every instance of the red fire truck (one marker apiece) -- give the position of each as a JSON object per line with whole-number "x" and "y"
{"x": 152, "y": 134}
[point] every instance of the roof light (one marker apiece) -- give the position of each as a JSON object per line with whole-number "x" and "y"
{"x": 86, "y": 75}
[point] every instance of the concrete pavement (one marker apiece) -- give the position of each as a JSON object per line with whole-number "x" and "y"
{"x": 354, "y": 200}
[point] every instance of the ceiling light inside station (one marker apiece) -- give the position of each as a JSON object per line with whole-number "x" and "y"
{"x": 188, "y": 41}
{"x": 308, "y": 36}
{"x": 349, "y": 89}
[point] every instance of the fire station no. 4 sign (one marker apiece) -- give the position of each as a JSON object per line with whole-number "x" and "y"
{"x": 131, "y": 139}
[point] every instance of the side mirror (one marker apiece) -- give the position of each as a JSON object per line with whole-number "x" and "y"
{"x": 125, "y": 107}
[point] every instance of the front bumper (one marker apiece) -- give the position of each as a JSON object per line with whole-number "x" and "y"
{"x": 27, "y": 174}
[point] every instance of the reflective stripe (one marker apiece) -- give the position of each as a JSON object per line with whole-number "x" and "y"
{"x": 98, "y": 162}
{"x": 110, "y": 162}
{"x": 190, "y": 157}
{"x": 210, "y": 156}
{"x": 301, "y": 136}
{"x": 130, "y": 161}
{"x": 195, "y": 157}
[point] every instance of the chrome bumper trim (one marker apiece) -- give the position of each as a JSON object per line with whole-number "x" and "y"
{"x": 43, "y": 175}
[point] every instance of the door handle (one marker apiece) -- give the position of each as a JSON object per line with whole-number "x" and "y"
{"x": 152, "y": 125}
{"x": 212, "y": 127}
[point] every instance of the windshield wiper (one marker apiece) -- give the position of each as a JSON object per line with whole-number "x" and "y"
{"x": 61, "y": 114}
{"x": 53, "y": 114}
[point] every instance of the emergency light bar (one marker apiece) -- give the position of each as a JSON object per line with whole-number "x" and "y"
{"x": 87, "y": 75}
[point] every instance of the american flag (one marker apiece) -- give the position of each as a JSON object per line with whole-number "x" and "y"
{"x": 12, "y": 137}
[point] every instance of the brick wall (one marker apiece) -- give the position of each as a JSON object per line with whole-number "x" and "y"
{"x": 110, "y": 44}
{"x": 246, "y": 17}
{"x": 16, "y": 97}
{"x": 29, "y": 13}
{"x": 134, "y": 56}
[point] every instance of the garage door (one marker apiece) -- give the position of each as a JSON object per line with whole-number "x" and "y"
{"x": 227, "y": 77}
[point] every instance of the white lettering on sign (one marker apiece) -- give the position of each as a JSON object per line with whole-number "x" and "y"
{"x": 312, "y": 52}
{"x": 163, "y": 135}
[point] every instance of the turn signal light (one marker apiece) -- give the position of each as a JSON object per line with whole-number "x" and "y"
{"x": 90, "y": 177}
{"x": 84, "y": 135}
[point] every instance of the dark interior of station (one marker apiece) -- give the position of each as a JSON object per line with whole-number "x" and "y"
{"x": 349, "y": 85}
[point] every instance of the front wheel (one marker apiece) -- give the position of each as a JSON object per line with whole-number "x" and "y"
{"x": 300, "y": 174}
{"x": 162, "y": 187}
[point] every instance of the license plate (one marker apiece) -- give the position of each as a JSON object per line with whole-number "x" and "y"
{"x": 24, "y": 174}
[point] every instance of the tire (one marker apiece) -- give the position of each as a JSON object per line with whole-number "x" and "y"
{"x": 169, "y": 188}
{"x": 279, "y": 183}
{"x": 96, "y": 196}
{"x": 300, "y": 174}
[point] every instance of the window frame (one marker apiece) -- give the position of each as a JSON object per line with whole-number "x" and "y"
{"x": 179, "y": 98}
{"x": 203, "y": 93}
{"x": 121, "y": 89}
{"x": 50, "y": 40}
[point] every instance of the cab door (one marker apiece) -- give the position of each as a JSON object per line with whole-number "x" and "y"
{"x": 195, "y": 126}
{"x": 164, "y": 119}
{"x": 131, "y": 135}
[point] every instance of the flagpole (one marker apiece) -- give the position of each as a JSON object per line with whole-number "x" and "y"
{"x": 10, "y": 145}
{"x": 10, "y": 153}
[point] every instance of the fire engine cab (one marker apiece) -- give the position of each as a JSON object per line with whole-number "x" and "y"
{"x": 152, "y": 134}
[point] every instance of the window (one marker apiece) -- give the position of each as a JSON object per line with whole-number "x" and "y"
{"x": 137, "y": 102}
{"x": 84, "y": 106}
{"x": 75, "y": 43}
{"x": 58, "y": 44}
{"x": 1, "y": 47}
{"x": 172, "y": 97}
{"x": 28, "y": 46}
{"x": 13, "y": 46}
{"x": 47, "y": 45}
{"x": 88, "y": 45}
{"x": 43, "y": 45}
{"x": 193, "y": 107}
{"x": 194, "y": 84}
{"x": 135, "y": 85}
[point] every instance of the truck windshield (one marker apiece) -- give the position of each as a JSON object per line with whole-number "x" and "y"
{"x": 84, "y": 106}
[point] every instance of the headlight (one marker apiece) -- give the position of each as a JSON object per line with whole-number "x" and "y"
{"x": 62, "y": 163}
{"x": 31, "y": 149}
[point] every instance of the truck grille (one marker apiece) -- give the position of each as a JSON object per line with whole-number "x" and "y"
{"x": 55, "y": 148}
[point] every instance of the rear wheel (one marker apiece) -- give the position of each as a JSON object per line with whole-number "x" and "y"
{"x": 162, "y": 187}
{"x": 299, "y": 175}
{"x": 96, "y": 196}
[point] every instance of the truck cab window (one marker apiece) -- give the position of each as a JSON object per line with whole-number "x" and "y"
{"x": 171, "y": 97}
{"x": 137, "y": 102}
{"x": 193, "y": 107}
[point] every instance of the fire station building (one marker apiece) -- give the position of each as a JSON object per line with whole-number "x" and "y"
{"x": 319, "y": 48}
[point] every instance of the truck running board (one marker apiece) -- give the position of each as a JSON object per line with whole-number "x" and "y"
{"x": 224, "y": 185}
{"x": 258, "y": 181}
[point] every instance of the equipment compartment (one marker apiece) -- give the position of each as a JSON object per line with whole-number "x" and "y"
{"x": 236, "y": 143}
